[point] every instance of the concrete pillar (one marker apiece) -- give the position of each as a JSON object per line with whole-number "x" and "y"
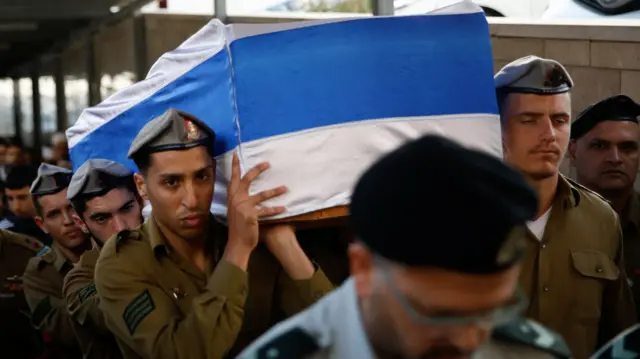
{"x": 220, "y": 9}
{"x": 383, "y": 7}
{"x": 37, "y": 112}
{"x": 61, "y": 100}
{"x": 17, "y": 109}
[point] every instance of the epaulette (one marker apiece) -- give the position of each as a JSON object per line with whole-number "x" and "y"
{"x": 45, "y": 256}
{"x": 22, "y": 240}
{"x": 293, "y": 344}
{"x": 125, "y": 235}
{"x": 583, "y": 188}
{"x": 530, "y": 333}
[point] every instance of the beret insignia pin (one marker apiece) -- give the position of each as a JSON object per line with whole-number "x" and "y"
{"x": 193, "y": 132}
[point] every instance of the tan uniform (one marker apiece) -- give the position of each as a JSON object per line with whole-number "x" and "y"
{"x": 17, "y": 336}
{"x": 43, "y": 281}
{"x": 160, "y": 306}
{"x": 79, "y": 290}
{"x": 631, "y": 233}
{"x": 575, "y": 275}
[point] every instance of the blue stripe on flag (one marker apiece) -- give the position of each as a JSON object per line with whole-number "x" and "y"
{"x": 322, "y": 75}
{"x": 364, "y": 69}
{"x": 204, "y": 91}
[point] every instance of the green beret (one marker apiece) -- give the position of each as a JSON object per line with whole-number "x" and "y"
{"x": 173, "y": 130}
{"x": 534, "y": 75}
{"x": 50, "y": 180}
{"x": 434, "y": 203}
{"x": 614, "y": 108}
{"x": 97, "y": 176}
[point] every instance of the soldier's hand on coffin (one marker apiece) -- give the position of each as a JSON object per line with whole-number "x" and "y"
{"x": 282, "y": 242}
{"x": 244, "y": 210}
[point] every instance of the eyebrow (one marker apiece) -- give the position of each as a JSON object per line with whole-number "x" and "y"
{"x": 540, "y": 114}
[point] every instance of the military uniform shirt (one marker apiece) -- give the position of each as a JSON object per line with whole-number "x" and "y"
{"x": 160, "y": 306}
{"x": 333, "y": 329}
{"x": 79, "y": 290}
{"x": 575, "y": 275}
{"x": 631, "y": 234}
{"x": 43, "y": 281}
{"x": 17, "y": 336}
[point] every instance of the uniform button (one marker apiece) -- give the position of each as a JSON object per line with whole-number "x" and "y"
{"x": 598, "y": 270}
{"x": 543, "y": 245}
{"x": 545, "y": 288}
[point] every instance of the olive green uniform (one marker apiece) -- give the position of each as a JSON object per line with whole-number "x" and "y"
{"x": 631, "y": 234}
{"x": 43, "y": 279}
{"x": 79, "y": 290}
{"x": 575, "y": 274}
{"x": 17, "y": 335}
{"x": 160, "y": 306}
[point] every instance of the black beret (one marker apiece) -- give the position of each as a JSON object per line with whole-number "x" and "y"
{"x": 434, "y": 203}
{"x": 614, "y": 108}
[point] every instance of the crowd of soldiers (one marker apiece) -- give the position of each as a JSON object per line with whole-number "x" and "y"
{"x": 448, "y": 252}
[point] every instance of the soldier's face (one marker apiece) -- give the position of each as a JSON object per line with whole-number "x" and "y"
{"x": 179, "y": 185}
{"x": 57, "y": 219}
{"x": 400, "y": 307}
{"x": 606, "y": 158}
{"x": 13, "y": 155}
{"x": 118, "y": 210}
{"x": 20, "y": 202}
{"x": 535, "y": 132}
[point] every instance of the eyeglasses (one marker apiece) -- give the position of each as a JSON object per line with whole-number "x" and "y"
{"x": 491, "y": 318}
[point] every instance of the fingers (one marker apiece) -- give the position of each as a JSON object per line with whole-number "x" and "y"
{"x": 235, "y": 173}
{"x": 270, "y": 211}
{"x": 267, "y": 194}
{"x": 255, "y": 172}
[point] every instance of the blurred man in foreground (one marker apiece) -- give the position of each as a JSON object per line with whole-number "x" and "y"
{"x": 605, "y": 151}
{"x": 427, "y": 281}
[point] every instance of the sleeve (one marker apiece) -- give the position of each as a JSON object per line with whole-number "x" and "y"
{"x": 48, "y": 308}
{"x": 618, "y": 308}
{"x": 297, "y": 295}
{"x": 82, "y": 300}
{"x": 143, "y": 317}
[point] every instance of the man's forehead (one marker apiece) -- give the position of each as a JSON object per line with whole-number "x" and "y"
{"x": 180, "y": 162}
{"x": 614, "y": 131}
{"x": 110, "y": 201}
{"x": 17, "y": 191}
{"x": 58, "y": 199}
{"x": 522, "y": 102}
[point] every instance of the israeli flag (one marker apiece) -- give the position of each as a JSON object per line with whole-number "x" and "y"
{"x": 319, "y": 100}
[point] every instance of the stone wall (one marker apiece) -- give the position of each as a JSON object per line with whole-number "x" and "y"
{"x": 602, "y": 57}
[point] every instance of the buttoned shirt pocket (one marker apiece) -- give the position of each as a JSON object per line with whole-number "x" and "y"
{"x": 594, "y": 270}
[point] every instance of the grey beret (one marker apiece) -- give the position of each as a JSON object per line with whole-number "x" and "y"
{"x": 535, "y": 75}
{"x": 173, "y": 130}
{"x": 97, "y": 176}
{"x": 51, "y": 179}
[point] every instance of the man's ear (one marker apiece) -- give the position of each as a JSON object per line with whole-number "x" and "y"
{"x": 361, "y": 267}
{"x": 40, "y": 222}
{"x": 141, "y": 185}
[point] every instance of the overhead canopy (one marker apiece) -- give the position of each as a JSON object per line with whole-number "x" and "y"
{"x": 29, "y": 28}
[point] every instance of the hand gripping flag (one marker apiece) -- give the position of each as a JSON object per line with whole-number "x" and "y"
{"x": 319, "y": 100}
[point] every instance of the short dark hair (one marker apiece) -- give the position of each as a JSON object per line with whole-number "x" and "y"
{"x": 21, "y": 176}
{"x": 501, "y": 98}
{"x": 80, "y": 202}
{"x": 142, "y": 159}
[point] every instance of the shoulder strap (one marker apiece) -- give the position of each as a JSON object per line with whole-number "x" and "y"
{"x": 21, "y": 240}
{"x": 292, "y": 344}
{"x": 583, "y": 188}
{"x": 531, "y": 333}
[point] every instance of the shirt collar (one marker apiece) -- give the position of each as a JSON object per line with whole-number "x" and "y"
{"x": 350, "y": 337}
{"x": 567, "y": 194}
{"x": 61, "y": 262}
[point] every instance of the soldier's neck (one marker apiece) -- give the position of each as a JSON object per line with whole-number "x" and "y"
{"x": 193, "y": 250}
{"x": 546, "y": 189}
{"x": 73, "y": 255}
